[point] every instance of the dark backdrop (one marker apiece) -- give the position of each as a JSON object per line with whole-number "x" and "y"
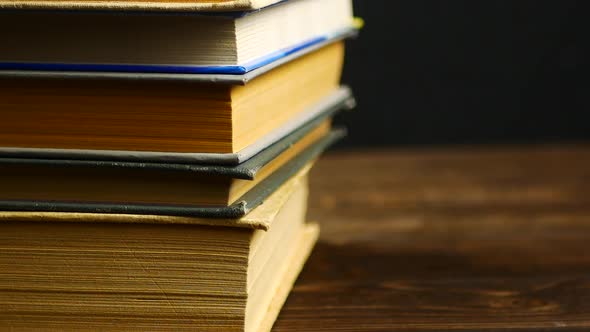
{"x": 455, "y": 72}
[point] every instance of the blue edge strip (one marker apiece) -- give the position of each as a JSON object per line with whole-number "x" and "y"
{"x": 231, "y": 70}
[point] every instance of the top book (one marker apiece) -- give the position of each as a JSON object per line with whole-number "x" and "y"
{"x": 100, "y": 36}
{"x": 143, "y": 5}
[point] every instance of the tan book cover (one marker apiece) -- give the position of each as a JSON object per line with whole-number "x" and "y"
{"x": 144, "y": 5}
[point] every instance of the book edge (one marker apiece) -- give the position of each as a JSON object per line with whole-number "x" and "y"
{"x": 261, "y": 220}
{"x": 308, "y": 239}
{"x": 339, "y": 99}
{"x": 217, "y": 78}
{"x": 231, "y": 6}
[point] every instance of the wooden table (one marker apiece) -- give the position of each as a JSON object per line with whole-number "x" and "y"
{"x": 464, "y": 239}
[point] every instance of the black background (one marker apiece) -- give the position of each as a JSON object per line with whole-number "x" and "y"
{"x": 467, "y": 72}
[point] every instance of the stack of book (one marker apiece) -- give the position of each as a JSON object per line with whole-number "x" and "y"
{"x": 154, "y": 158}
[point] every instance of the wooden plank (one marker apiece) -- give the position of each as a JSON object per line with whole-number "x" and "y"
{"x": 464, "y": 239}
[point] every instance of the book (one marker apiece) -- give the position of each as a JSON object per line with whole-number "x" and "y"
{"x": 217, "y": 78}
{"x": 341, "y": 99}
{"x": 131, "y": 117}
{"x": 96, "y": 272}
{"x": 114, "y": 41}
{"x": 142, "y": 5}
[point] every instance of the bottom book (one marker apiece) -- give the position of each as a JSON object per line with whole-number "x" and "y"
{"x": 75, "y": 271}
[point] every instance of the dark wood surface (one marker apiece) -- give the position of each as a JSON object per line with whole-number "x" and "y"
{"x": 466, "y": 239}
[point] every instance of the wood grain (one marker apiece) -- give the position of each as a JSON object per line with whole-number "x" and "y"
{"x": 463, "y": 239}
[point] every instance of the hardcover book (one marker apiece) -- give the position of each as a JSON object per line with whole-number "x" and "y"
{"x": 97, "y": 272}
{"x": 98, "y": 39}
{"x": 143, "y": 5}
